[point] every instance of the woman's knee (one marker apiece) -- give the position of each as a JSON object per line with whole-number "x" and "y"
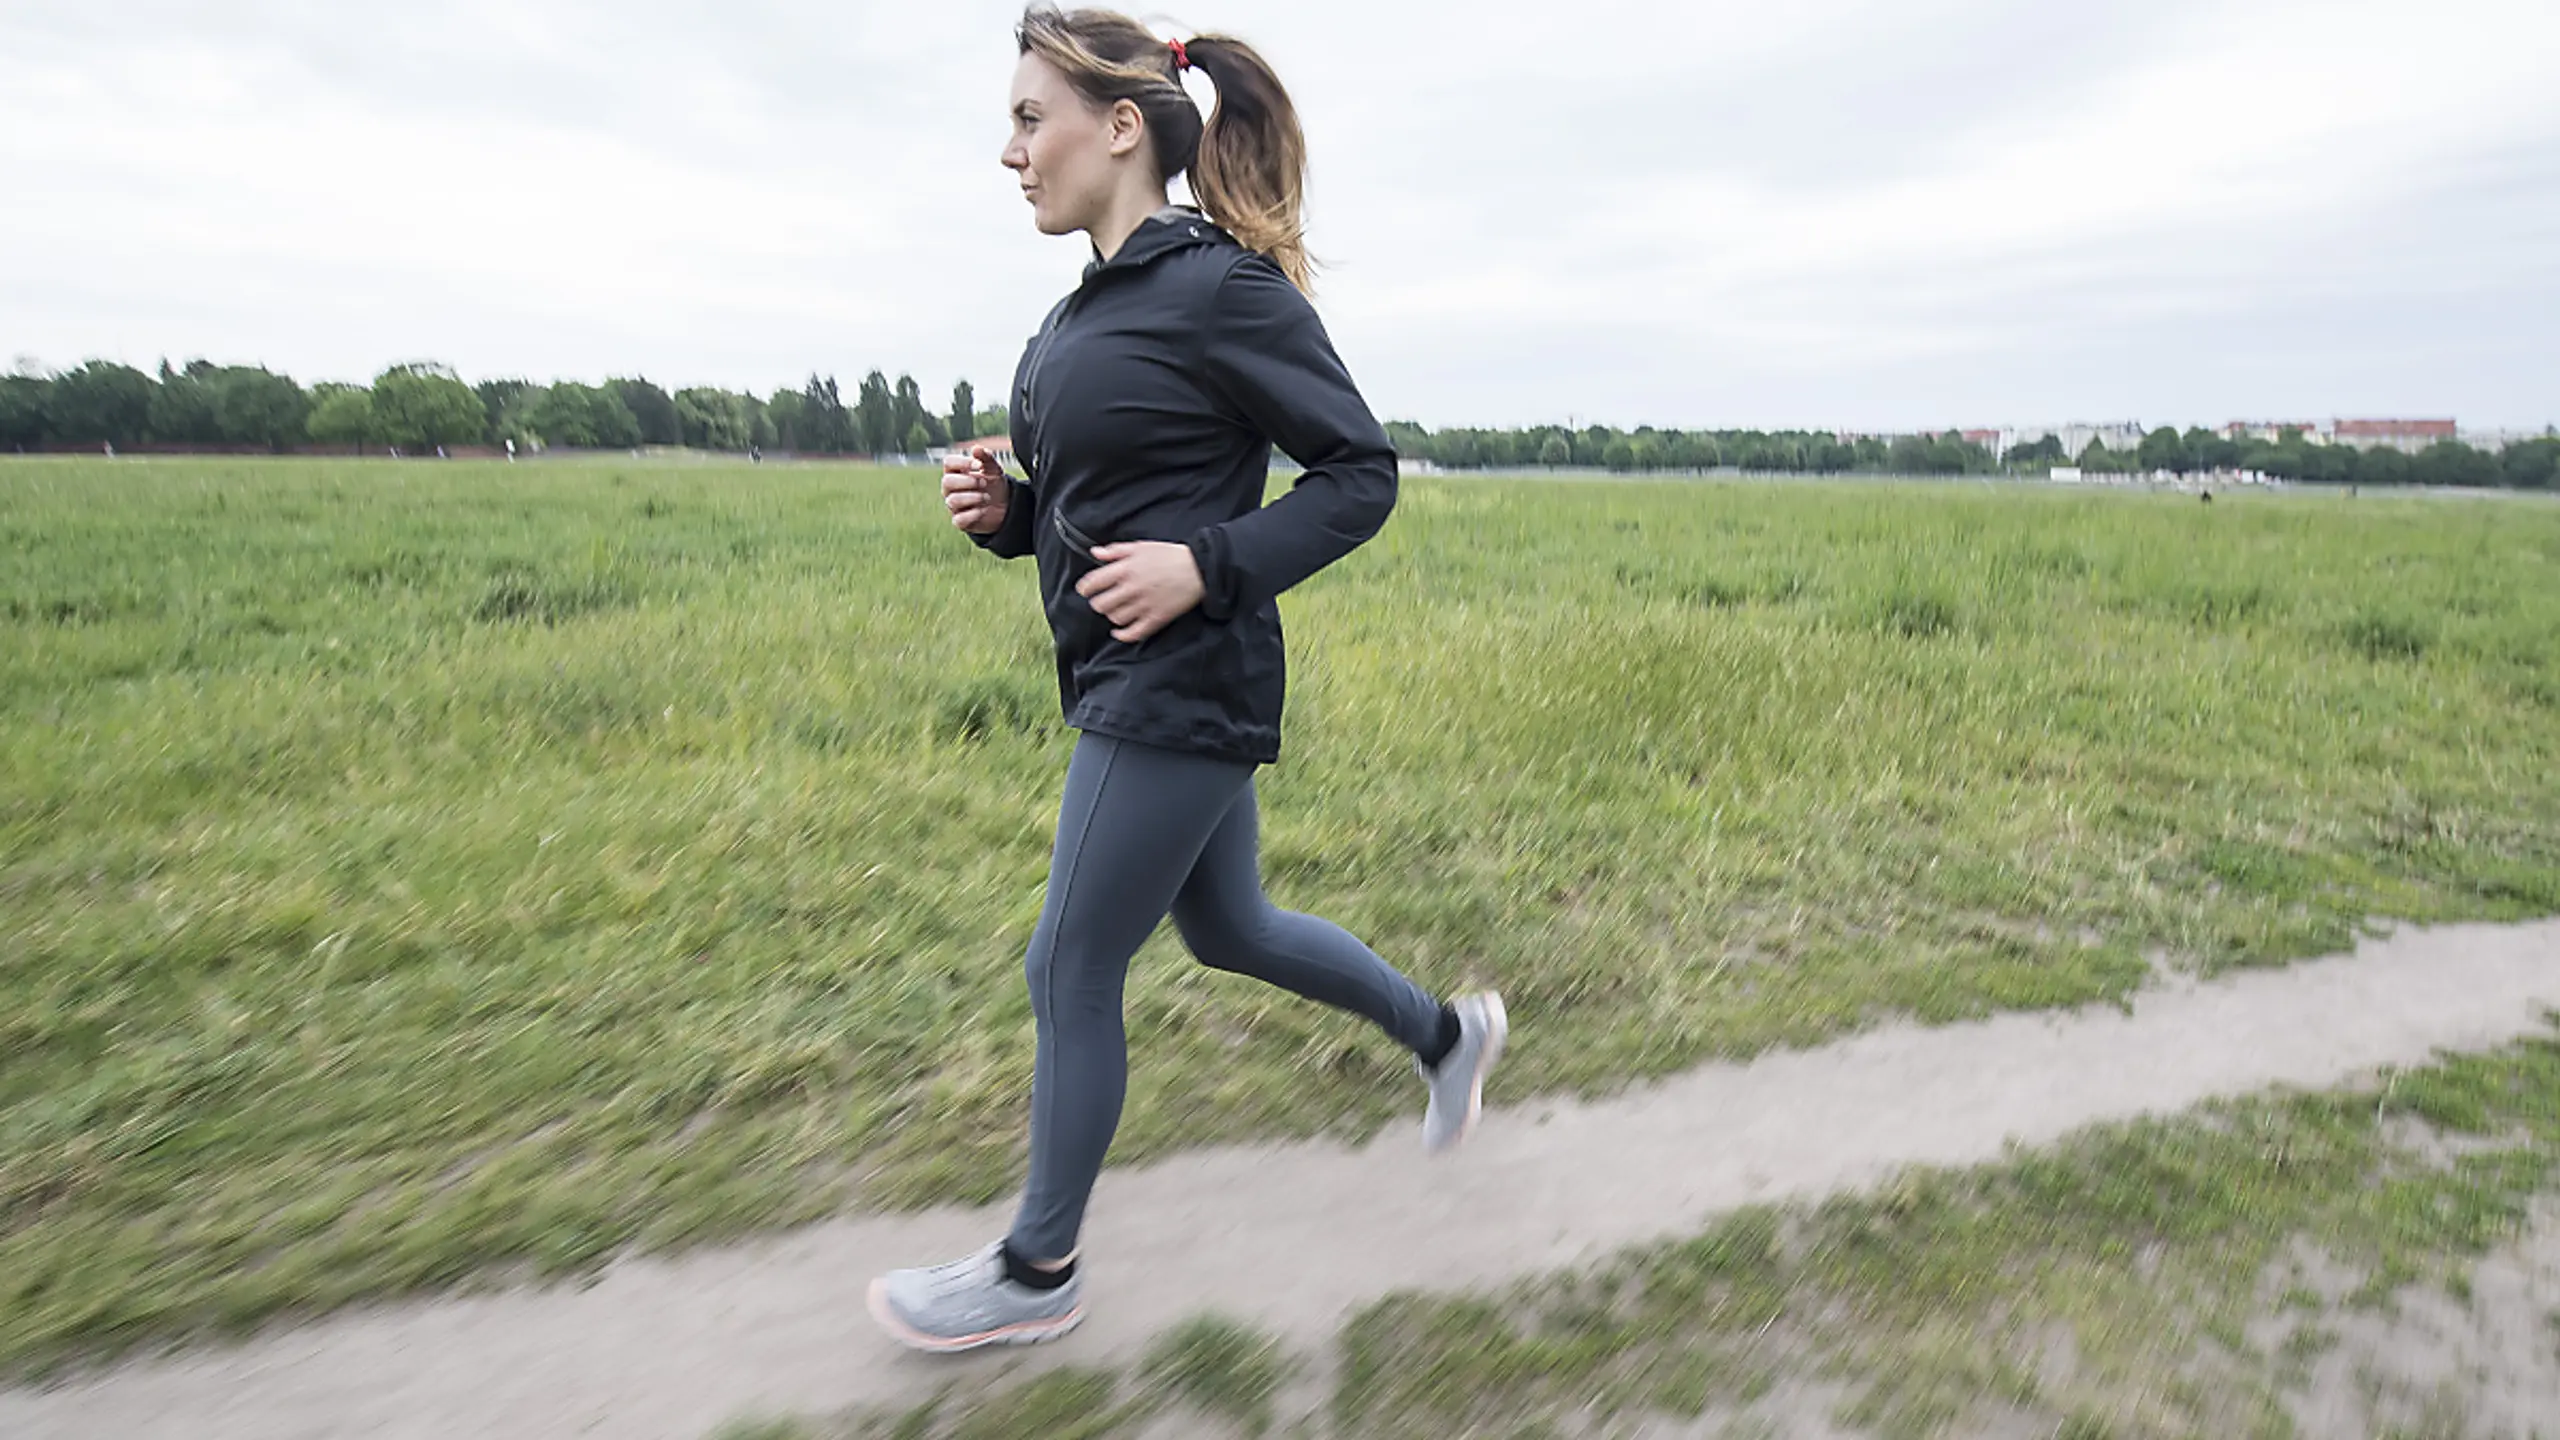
{"x": 1224, "y": 941}
{"x": 1070, "y": 988}
{"x": 1036, "y": 965}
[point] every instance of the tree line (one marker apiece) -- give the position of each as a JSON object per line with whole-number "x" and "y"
{"x": 2525, "y": 465}
{"x": 2531, "y": 464}
{"x": 421, "y": 407}
{"x": 1646, "y": 449}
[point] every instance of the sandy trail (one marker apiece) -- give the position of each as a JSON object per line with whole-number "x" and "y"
{"x": 1292, "y": 1238}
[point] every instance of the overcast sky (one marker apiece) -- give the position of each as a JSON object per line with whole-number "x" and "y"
{"x": 1865, "y": 213}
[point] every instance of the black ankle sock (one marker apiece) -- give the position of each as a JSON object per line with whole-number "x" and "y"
{"x": 1023, "y": 1272}
{"x": 1446, "y": 1041}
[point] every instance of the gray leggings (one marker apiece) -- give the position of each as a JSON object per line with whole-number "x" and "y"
{"x": 1141, "y": 832}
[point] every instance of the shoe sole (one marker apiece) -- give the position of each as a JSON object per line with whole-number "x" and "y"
{"x": 1498, "y": 1021}
{"x": 1030, "y": 1332}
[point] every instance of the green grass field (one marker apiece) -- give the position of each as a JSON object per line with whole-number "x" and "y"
{"x": 421, "y": 874}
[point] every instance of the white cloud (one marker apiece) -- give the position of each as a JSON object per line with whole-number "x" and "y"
{"x": 1830, "y": 211}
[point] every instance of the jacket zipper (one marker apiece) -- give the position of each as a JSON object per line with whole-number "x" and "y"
{"x": 1040, "y": 357}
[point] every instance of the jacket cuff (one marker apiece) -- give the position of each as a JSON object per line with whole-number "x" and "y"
{"x": 1011, "y": 540}
{"x": 1217, "y": 574}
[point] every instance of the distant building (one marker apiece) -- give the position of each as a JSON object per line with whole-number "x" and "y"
{"x": 2499, "y": 439}
{"x": 1001, "y": 445}
{"x": 2272, "y": 431}
{"x": 1995, "y": 441}
{"x": 2075, "y": 437}
{"x": 2410, "y": 436}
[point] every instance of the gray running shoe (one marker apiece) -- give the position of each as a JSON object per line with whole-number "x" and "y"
{"x": 1457, "y": 1085}
{"x": 969, "y": 1303}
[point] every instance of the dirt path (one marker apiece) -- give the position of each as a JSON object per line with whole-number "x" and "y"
{"x": 2401, "y": 1369}
{"x": 1291, "y": 1238}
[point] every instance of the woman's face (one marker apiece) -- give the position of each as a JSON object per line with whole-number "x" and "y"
{"x": 1066, "y": 152}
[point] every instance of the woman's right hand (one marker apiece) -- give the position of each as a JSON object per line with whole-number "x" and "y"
{"x": 975, "y": 490}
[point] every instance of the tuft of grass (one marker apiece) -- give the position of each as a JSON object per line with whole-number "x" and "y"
{"x": 1218, "y": 1367}
{"x": 994, "y": 705}
{"x": 2226, "y": 604}
{"x": 415, "y": 874}
{"x": 1061, "y": 1405}
{"x": 1918, "y": 614}
{"x": 1206, "y": 1368}
{"x": 516, "y": 593}
{"x": 2388, "y": 634}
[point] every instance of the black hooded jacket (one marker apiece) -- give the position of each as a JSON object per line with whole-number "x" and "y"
{"x": 1146, "y": 409}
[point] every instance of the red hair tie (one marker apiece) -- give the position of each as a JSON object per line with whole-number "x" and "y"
{"x": 1181, "y": 56}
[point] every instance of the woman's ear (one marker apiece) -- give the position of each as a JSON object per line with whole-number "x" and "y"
{"x": 1128, "y": 127}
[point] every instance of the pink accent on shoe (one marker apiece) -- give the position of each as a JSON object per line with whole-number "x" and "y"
{"x": 1027, "y": 1333}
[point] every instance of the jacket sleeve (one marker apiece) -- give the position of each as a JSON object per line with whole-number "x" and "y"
{"x": 1266, "y": 353}
{"x": 1012, "y": 540}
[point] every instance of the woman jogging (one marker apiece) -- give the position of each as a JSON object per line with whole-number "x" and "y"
{"x": 1144, "y": 412}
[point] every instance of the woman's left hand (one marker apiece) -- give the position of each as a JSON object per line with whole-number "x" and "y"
{"x": 1142, "y": 587}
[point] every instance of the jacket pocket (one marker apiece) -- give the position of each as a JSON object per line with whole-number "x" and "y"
{"x": 1077, "y": 564}
{"x": 1079, "y": 544}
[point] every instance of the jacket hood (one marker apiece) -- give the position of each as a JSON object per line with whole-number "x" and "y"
{"x": 1175, "y": 227}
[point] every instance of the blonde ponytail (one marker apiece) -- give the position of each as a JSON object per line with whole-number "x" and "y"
{"x": 1251, "y": 173}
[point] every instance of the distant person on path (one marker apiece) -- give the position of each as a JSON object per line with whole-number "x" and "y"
{"x": 1144, "y": 411}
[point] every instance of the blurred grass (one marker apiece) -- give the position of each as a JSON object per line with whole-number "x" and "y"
{"x": 418, "y": 874}
{"x": 1208, "y": 1376}
{"x": 2162, "y": 1278}
{"x": 2122, "y": 1284}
